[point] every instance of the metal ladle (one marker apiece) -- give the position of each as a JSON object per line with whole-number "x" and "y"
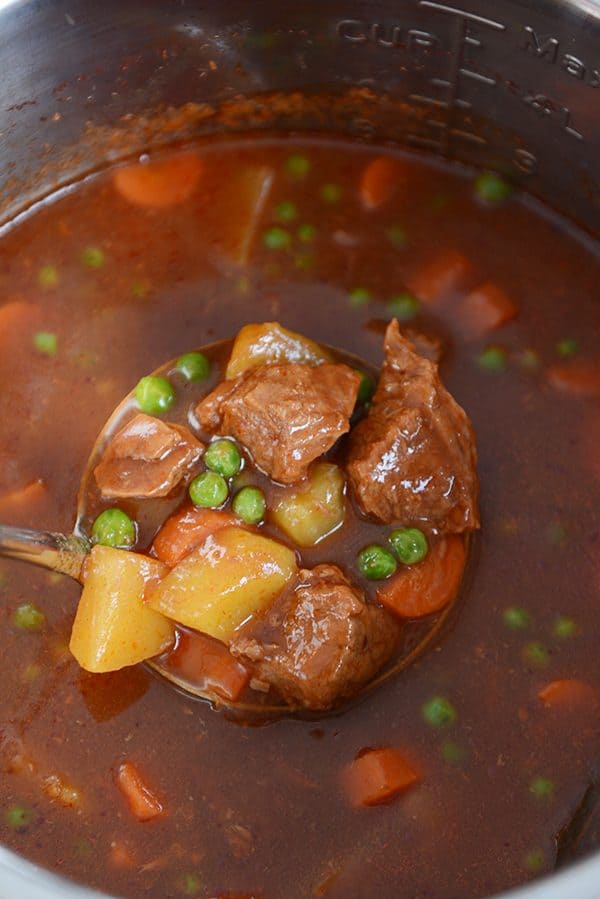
{"x": 66, "y": 554}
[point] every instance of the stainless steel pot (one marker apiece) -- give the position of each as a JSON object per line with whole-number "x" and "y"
{"x": 512, "y": 85}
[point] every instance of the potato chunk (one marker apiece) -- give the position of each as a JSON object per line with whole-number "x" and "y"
{"x": 113, "y": 626}
{"x": 234, "y": 575}
{"x": 316, "y": 508}
{"x": 268, "y": 343}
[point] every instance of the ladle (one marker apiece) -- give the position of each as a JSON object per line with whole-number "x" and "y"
{"x": 66, "y": 554}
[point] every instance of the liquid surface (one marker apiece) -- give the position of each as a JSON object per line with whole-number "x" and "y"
{"x": 96, "y": 290}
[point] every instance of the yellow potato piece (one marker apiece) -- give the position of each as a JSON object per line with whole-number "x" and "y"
{"x": 234, "y": 575}
{"x": 267, "y": 343}
{"x": 315, "y": 509}
{"x": 113, "y": 626}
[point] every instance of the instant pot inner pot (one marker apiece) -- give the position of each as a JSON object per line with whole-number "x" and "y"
{"x": 509, "y": 86}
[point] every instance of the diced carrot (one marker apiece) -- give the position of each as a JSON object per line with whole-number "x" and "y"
{"x": 120, "y": 855}
{"x": 155, "y": 185}
{"x": 379, "y": 181}
{"x": 188, "y": 529}
{"x": 569, "y": 693}
{"x": 581, "y": 378}
{"x": 24, "y": 506}
{"x": 378, "y": 775}
{"x": 18, "y": 320}
{"x": 422, "y": 589}
{"x": 484, "y": 309}
{"x": 447, "y": 272}
{"x": 208, "y": 664}
{"x": 143, "y": 802}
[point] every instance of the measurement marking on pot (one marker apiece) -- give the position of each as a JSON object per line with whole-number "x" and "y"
{"x": 463, "y": 13}
{"x": 449, "y": 129}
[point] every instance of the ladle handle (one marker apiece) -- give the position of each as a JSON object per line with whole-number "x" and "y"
{"x": 59, "y": 552}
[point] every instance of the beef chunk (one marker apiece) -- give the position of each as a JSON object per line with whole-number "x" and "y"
{"x": 320, "y": 642}
{"x": 412, "y": 460}
{"x": 285, "y": 415}
{"x": 146, "y": 458}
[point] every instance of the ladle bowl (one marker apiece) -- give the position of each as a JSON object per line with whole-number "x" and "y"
{"x": 67, "y": 553}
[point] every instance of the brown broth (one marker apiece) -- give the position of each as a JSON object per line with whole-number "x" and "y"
{"x": 261, "y": 810}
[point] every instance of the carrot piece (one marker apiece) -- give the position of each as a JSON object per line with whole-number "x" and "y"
{"x": 24, "y": 505}
{"x": 143, "y": 802}
{"x": 378, "y": 775}
{"x": 155, "y": 185}
{"x": 446, "y": 272}
{"x": 422, "y": 589}
{"x": 379, "y": 181}
{"x": 188, "y": 529}
{"x": 18, "y": 320}
{"x": 578, "y": 378}
{"x": 484, "y": 309}
{"x": 568, "y": 693}
{"x": 207, "y": 663}
{"x": 121, "y": 856}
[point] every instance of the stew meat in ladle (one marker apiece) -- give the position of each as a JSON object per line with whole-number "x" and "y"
{"x": 453, "y": 778}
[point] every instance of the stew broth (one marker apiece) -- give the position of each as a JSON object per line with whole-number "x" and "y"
{"x": 99, "y": 287}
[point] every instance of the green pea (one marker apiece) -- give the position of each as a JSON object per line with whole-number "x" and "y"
{"x": 331, "y": 193}
{"x": 306, "y": 233}
{"x": 516, "y": 618}
{"x": 493, "y": 358}
{"x": 567, "y": 347}
{"x": 359, "y": 296}
{"x": 209, "y": 490}
{"x": 154, "y": 394}
{"x": 376, "y": 563}
{"x": 286, "y": 211}
{"x": 140, "y": 289}
{"x": 440, "y": 202}
{"x": 46, "y": 343}
{"x": 534, "y": 860}
{"x": 535, "y": 653}
{"x": 48, "y": 276}
{"x": 93, "y": 257}
{"x": 557, "y": 534}
{"x": 194, "y": 366}
{"x": 491, "y": 188}
{"x": 305, "y": 262}
{"x": 28, "y": 617}
{"x": 410, "y": 545}
{"x": 452, "y": 752}
{"x": 564, "y": 628}
{"x": 542, "y": 788}
{"x": 224, "y": 457}
{"x": 366, "y": 388}
{"x": 113, "y": 527}
{"x": 297, "y": 166}
{"x": 249, "y": 505}
{"x": 404, "y": 307}
{"x": 277, "y": 239}
{"x": 397, "y": 237}
{"x": 529, "y": 360}
{"x": 439, "y": 712}
{"x": 18, "y": 817}
{"x": 190, "y": 884}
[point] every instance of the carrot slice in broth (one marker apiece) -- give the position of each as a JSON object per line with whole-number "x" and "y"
{"x": 160, "y": 183}
{"x": 380, "y": 180}
{"x": 484, "y": 309}
{"x": 188, "y": 529}
{"x": 143, "y": 802}
{"x": 378, "y": 775}
{"x": 422, "y": 589}
{"x": 208, "y": 664}
{"x": 581, "y": 378}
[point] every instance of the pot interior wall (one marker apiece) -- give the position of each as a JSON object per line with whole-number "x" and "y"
{"x": 508, "y": 86}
